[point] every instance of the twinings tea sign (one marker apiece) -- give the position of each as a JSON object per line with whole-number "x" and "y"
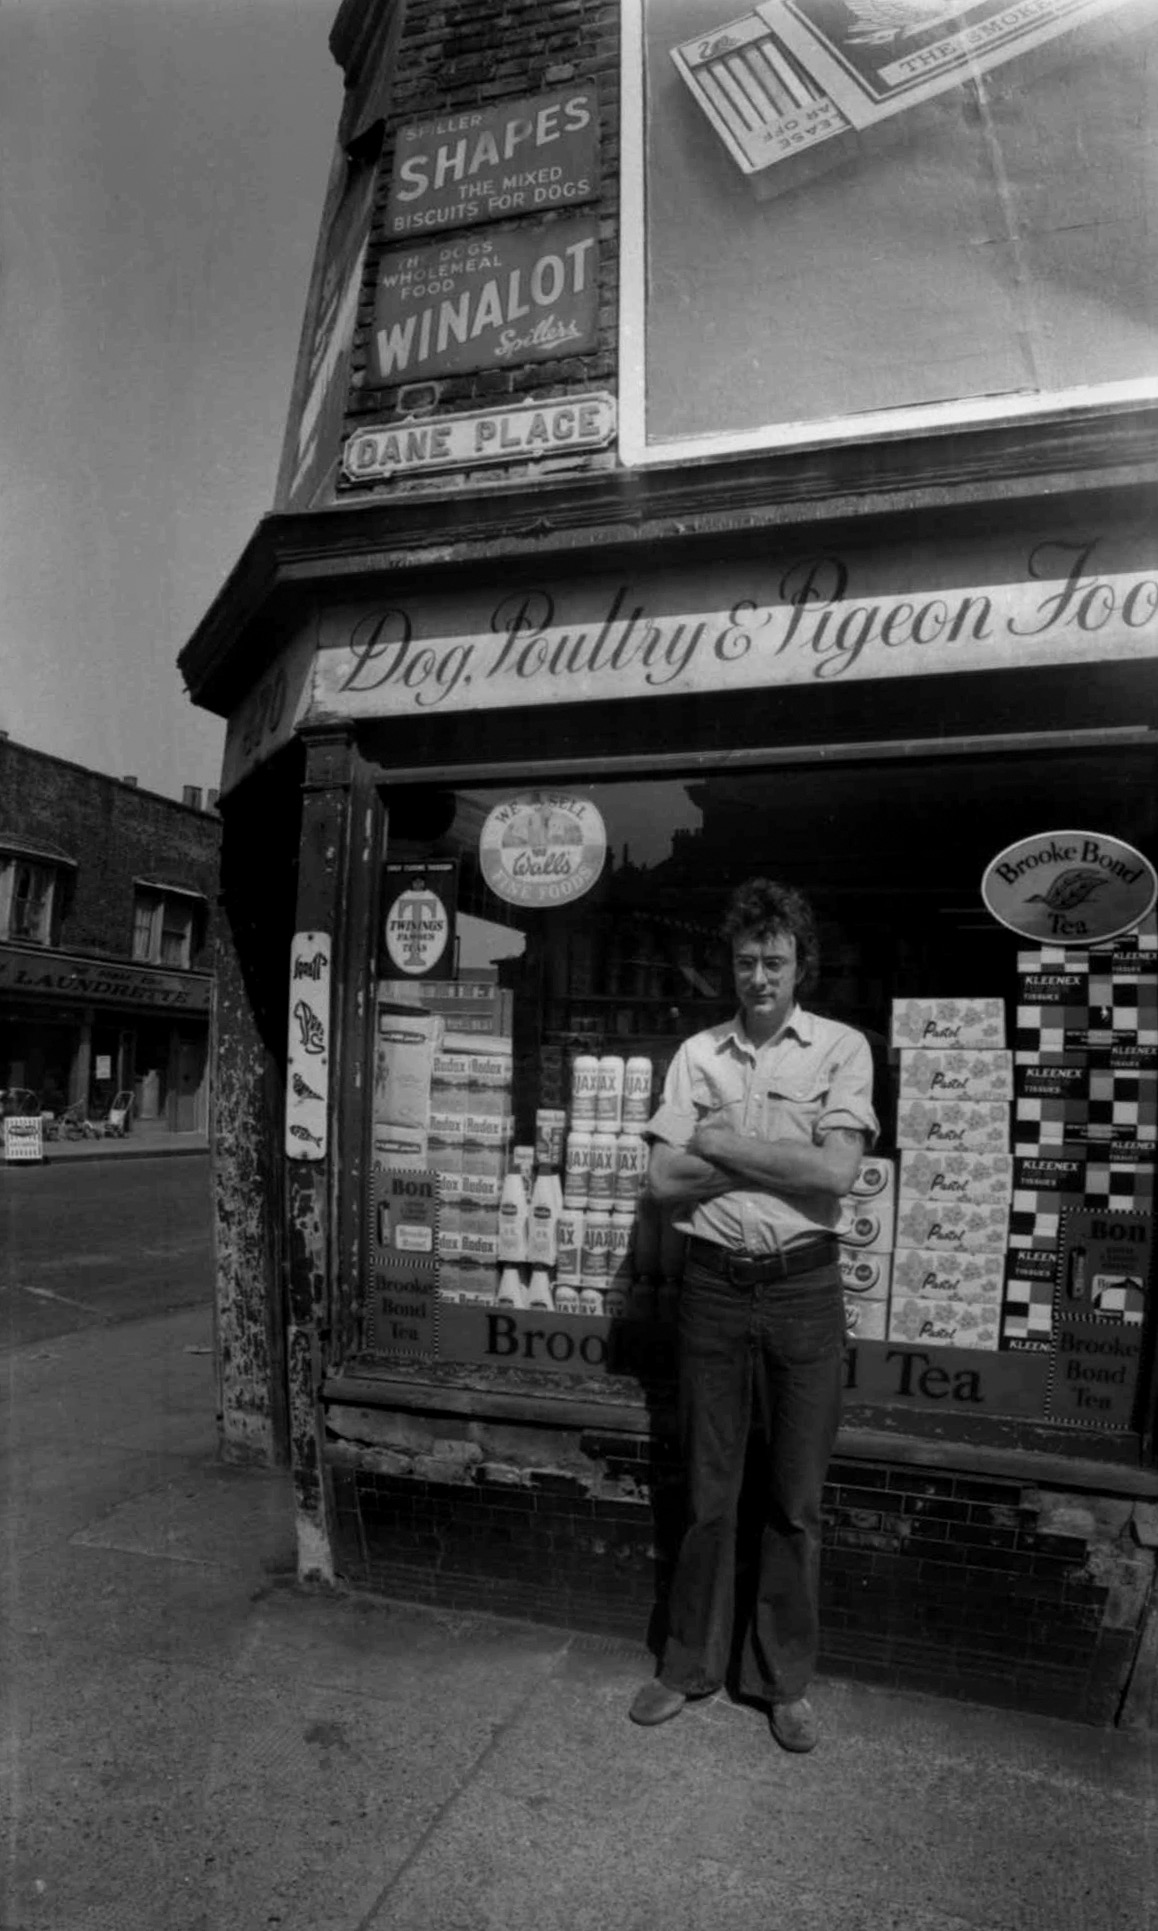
{"x": 1070, "y": 885}
{"x": 543, "y": 848}
{"x": 418, "y": 927}
{"x": 487, "y": 301}
{"x": 522, "y": 157}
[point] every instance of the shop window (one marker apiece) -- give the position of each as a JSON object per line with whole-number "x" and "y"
{"x": 163, "y": 928}
{"x": 543, "y": 953}
{"x": 28, "y": 894}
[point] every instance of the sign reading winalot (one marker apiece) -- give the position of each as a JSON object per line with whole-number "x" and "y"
{"x": 487, "y": 301}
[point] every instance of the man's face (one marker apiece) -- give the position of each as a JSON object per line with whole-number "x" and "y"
{"x": 765, "y": 967}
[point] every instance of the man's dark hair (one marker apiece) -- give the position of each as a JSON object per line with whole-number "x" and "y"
{"x": 761, "y": 907}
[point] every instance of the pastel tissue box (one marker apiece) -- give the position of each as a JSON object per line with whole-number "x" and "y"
{"x": 945, "y": 1324}
{"x": 954, "y": 1126}
{"x": 956, "y": 1075}
{"x": 927, "y": 1175}
{"x": 953, "y": 1226}
{"x": 925, "y": 1274}
{"x": 943, "y": 1023}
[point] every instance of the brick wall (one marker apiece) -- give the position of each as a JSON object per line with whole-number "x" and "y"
{"x": 476, "y": 54}
{"x": 987, "y": 1589}
{"x": 115, "y": 832}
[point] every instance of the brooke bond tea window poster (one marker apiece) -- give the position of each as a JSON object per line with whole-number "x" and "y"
{"x": 866, "y": 217}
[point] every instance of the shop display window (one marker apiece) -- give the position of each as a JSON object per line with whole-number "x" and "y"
{"x": 542, "y": 951}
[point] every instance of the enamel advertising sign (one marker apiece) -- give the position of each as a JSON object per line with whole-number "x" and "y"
{"x": 543, "y": 848}
{"x": 418, "y": 929}
{"x": 487, "y": 301}
{"x": 486, "y": 164}
{"x": 1077, "y": 887}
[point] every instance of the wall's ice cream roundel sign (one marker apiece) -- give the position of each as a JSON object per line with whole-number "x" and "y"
{"x": 1069, "y": 887}
{"x": 543, "y": 848}
{"x": 417, "y": 929}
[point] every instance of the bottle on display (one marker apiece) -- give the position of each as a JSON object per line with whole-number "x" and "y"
{"x": 569, "y": 1247}
{"x": 637, "y": 1078}
{"x": 539, "y": 1289}
{"x": 631, "y": 1159}
{"x": 542, "y": 1238}
{"x": 595, "y": 1256}
{"x": 550, "y": 1136}
{"x": 609, "y": 1093}
{"x": 512, "y": 1292}
{"x": 584, "y": 1088}
{"x": 601, "y": 1181}
{"x": 577, "y": 1172}
{"x": 619, "y": 1256}
{"x": 590, "y": 1300}
{"x": 566, "y": 1298}
{"x": 514, "y": 1215}
{"x": 523, "y": 1161}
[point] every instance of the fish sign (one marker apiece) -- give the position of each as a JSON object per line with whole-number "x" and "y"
{"x": 1069, "y": 887}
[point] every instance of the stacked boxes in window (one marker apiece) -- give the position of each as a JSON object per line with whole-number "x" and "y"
{"x": 865, "y": 1232}
{"x": 956, "y": 1084}
{"x": 470, "y": 1135}
{"x": 1085, "y": 1109}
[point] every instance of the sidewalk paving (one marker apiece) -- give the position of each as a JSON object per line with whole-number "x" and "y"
{"x": 191, "y": 1742}
{"x": 140, "y": 1143}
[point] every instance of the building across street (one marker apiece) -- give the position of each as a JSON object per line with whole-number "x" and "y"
{"x": 107, "y": 897}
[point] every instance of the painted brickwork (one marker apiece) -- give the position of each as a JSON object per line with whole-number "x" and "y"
{"x": 474, "y": 54}
{"x": 115, "y": 832}
{"x": 989, "y": 1590}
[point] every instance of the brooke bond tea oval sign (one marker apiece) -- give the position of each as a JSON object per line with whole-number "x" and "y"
{"x": 1075, "y": 887}
{"x": 543, "y": 848}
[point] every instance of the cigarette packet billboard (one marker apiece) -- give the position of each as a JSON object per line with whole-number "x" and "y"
{"x": 865, "y": 217}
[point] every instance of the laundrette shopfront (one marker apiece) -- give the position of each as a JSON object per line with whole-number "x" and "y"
{"x": 527, "y": 890}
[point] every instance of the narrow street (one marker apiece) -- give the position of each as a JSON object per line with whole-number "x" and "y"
{"x": 86, "y": 1243}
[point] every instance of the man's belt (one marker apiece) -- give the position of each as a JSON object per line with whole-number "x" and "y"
{"x": 756, "y": 1270}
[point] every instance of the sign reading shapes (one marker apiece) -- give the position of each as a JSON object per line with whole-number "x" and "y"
{"x": 309, "y": 1046}
{"x": 542, "y": 848}
{"x": 489, "y": 301}
{"x": 489, "y": 163}
{"x": 1075, "y": 886}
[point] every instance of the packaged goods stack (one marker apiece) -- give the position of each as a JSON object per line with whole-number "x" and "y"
{"x": 956, "y": 1085}
{"x": 1085, "y": 1134}
{"x": 866, "y": 1230}
{"x": 470, "y": 1137}
{"x": 605, "y": 1167}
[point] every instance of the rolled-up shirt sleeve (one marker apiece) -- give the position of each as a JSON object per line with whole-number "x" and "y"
{"x": 849, "y": 1099}
{"x": 674, "y": 1120}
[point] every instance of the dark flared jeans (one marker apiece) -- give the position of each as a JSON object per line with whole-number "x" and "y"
{"x": 761, "y": 1365}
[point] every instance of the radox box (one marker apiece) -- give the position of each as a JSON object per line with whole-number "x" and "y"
{"x": 929, "y": 1175}
{"x": 956, "y": 1074}
{"x": 944, "y": 1023}
{"x": 954, "y": 1126}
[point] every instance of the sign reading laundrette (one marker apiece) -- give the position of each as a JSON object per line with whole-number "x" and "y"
{"x": 791, "y": 616}
{"x": 1080, "y": 886}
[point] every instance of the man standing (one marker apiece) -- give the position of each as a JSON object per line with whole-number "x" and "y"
{"x": 761, "y": 1127}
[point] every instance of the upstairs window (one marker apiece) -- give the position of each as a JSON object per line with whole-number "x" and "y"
{"x": 163, "y": 922}
{"x": 31, "y": 892}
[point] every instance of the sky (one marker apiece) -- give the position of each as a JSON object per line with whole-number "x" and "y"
{"x": 163, "y": 165}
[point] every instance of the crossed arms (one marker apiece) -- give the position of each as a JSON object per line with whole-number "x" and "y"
{"x": 719, "y": 1160}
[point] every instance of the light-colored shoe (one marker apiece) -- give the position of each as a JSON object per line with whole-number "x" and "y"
{"x": 655, "y": 1703}
{"x": 794, "y": 1725}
